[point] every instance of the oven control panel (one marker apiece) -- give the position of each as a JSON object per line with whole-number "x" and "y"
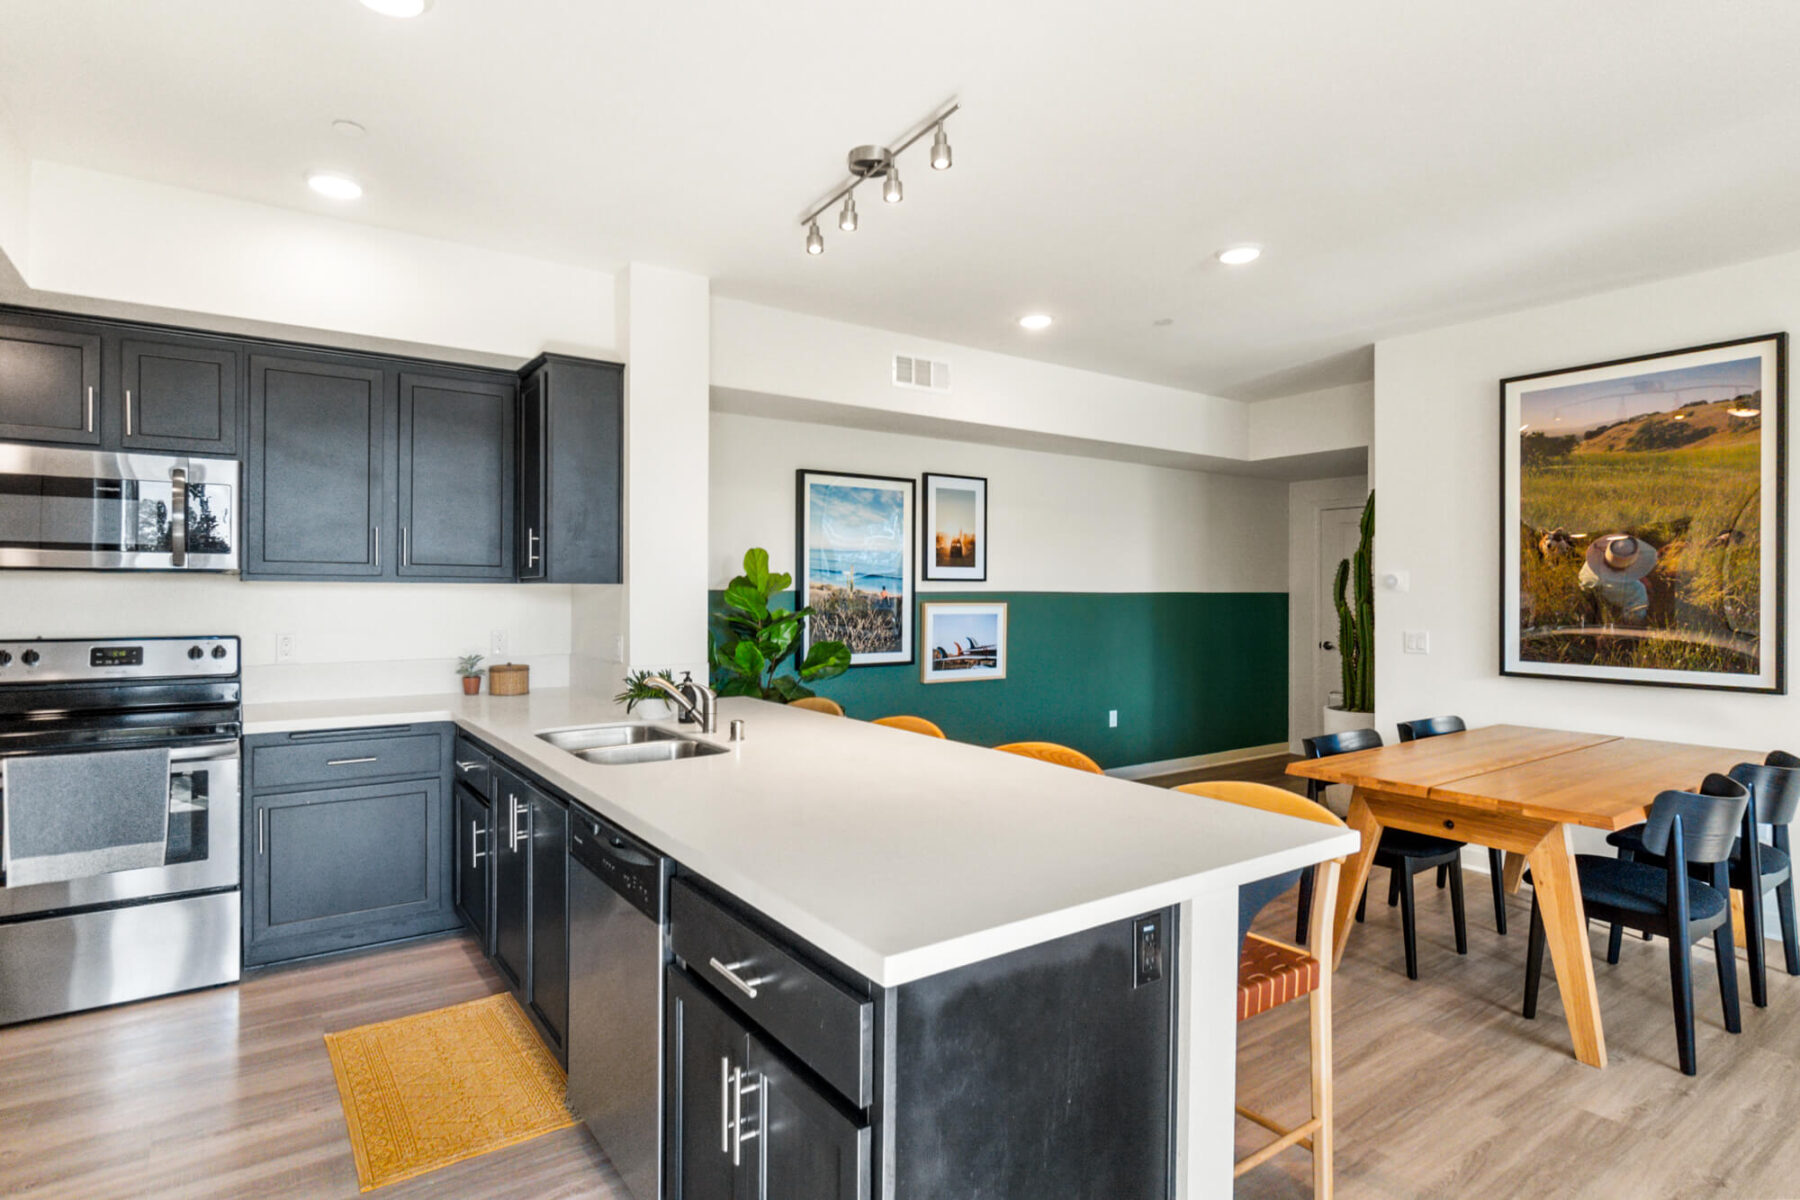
{"x": 75, "y": 660}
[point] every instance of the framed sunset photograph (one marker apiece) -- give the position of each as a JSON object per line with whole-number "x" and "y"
{"x": 1643, "y": 519}
{"x": 855, "y": 544}
{"x": 963, "y": 642}
{"x": 955, "y": 527}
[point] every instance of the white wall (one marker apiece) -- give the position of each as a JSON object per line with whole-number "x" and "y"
{"x": 1437, "y": 479}
{"x": 15, "y": 194}
{"x": 1337, "y": 418}
{"x": 1056, "y": 523}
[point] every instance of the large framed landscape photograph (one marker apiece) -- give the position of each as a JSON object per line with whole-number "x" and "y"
{"x": 1643, "y": 519}
{"x": 855, "y": 543}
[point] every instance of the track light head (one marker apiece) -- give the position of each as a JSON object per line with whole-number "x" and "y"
{"x": 940, "y": 150}
{"x": 891, "y": 190}
{"x": 847, "y": 218}
{"x": 815, "y": 241}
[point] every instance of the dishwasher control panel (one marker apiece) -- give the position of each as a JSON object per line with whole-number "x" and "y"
{"x": 623, "y": 863}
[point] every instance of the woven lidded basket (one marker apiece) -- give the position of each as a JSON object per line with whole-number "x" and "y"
{"x": 509, "y": 679}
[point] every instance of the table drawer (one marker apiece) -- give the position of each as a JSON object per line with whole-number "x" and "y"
{"x": 817, "y": 1019}
{"x": 334, "y": 760}
{"x": 474, "y": 768}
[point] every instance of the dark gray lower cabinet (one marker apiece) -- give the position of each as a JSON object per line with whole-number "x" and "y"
{"x": 700, "y": 1044}
{"x": 512, "y": 879}
{"x": 550, "y": 915}
{"x": 474, "y": 851}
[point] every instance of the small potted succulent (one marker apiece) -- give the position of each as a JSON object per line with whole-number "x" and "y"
{"x": 648, "y": 701}
{"x": 469, "y": 667}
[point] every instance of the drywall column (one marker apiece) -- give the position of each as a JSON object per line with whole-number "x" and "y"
{"x": 15, "y": 198}
{"x": 667, "y": 336}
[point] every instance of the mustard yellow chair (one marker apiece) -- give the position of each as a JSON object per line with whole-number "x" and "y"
{"x": 818, "y": 704}
{"x": 1050, "y": 752}
{"x": 911, "y": 725}
{"x": 1271, "y": 973}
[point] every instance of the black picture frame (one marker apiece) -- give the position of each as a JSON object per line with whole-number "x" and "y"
{"x": 904, "y": 542}
{"x": 928, "y": 565}
{"x": 1771, "y": 641}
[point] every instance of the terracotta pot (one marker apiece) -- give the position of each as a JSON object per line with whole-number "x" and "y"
{"x": 471, "y": 685}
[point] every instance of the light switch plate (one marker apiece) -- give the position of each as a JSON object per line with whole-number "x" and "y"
{"x": 285, "y": 647}
{"x": 1416, "y": 641}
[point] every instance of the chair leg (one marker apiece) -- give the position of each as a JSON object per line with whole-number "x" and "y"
{"x": 1681, "y": 988}
{"x": 1784, "y": 904}
{"x": 1615, "y": 937}
{"x": 1322, "y": 1100}
{"x": 1497, "y": 875}
{"x": 1362, "y": 904}
{"x": 1303, "y": 924}
{"x": 1534, "y": 960}
{"x": 1758, "y": 949}
{"x": 1408, "y": 924}
{"x": 1443, "y": 877}
{"x": 1393, "y": 887}
{"x": 1725, "y": 948}
{"x": 1458, "y": 914}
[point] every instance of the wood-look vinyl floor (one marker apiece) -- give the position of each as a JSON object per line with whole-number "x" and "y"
{"x": 229, "y": 1092}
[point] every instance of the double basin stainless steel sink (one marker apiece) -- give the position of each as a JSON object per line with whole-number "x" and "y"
{"x": 626, "y": 742}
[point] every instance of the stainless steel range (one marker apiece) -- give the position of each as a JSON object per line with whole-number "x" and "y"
{"x": 96, "y": 933}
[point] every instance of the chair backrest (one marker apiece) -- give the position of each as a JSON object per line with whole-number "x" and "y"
{"x": 1424, "y": 727}
{"x": 818, "y": 704}
{"x": 911, "y": 725}
{"x": 1775, "y": 786}
{"x": 1263, "y": 796}
{"x": 1050, "y": 752}
{"x": 1328, "y": 744}
{"x": 1710, "y": 819}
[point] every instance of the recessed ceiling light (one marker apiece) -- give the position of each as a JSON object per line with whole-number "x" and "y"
{"x": 397, "y": 8}
{"x": 333, "y": 185}
{"x": 348, "y": 128}
{"x": 1237, "y": 256}
{"x": 1035, "y": 321}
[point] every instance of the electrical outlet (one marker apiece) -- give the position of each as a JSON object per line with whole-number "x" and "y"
{"x": 1149, "y": 942}
{"x": 1416, "y": 641}
{"x": 497, "y": 644}
{"x": 284, "y": 647}
{"x": 619, "y": 648}
{"x": 1112, "y": 718}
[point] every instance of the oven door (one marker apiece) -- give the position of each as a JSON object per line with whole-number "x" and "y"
{"x": 82, "y": 510}
{"x": 201, "y": 853}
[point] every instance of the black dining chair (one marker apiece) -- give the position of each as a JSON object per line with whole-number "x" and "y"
{"x": 1686, "y": 830}
{"x": 1756, "y": 866}
{"x": 1401, "y": 851}
{"x": 1412, "y": 731}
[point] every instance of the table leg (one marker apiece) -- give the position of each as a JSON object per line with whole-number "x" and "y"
{"x": 1565, "y": 926}
{"x": 1515, "y": 872}
{"x": 1356, "y": 871}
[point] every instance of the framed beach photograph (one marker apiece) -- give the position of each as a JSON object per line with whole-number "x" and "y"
{"x": 854, "y": 558}
{"x": 1643, "y": 519}
{"x": 963, "y": 642}
{"x": 955, "y": 527}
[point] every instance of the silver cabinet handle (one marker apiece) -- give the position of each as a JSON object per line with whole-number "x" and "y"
{"x": 738, "y": 1136}
{"x": 377, "y": 558}
{"x": 90, "y": 410}
{"x": 466, "y": 767}
{"x": 178, "y": 518}
{"x": 127, "y": 412}
{"x": 475, "y": 831}
{"x": 531, "y": 543}
{"x": 261, "y": 824}
{"x": 724, "y": 1105}
{"x": 350, "y": 762}
{"x": 518, "y": 810}
{"x": 403, "y": 560}
{"x": 732, "y": 977}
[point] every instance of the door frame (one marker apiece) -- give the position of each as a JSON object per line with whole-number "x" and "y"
{"x": 1307, "y": 499}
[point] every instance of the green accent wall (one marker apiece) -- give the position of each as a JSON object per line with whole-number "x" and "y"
{"x": 1189, "y": 672}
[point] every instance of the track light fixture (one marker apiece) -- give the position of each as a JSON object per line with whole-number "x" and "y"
{"x": 878, "y": 162}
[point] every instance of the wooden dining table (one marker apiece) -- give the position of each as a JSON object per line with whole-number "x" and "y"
{"x": 1522, "y": 790}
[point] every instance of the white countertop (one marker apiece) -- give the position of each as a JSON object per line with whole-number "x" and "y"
{"x": 899, "y": 855}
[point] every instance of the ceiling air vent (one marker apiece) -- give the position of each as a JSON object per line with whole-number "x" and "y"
{"x": 921, "y": 373}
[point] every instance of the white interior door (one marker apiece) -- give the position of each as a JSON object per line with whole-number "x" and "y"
{"x": 1339, "y": 532}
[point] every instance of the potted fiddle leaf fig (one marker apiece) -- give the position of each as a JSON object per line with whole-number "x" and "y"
{"x": 755, "y": 640}
{"x": 469, "y": 667}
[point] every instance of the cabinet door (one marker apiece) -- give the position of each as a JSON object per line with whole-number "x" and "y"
{"x": 702, "y": 1046}
{"x": 315, "y": 489}
{"x": 532, "y": 461}
{"x": 474, "y": 844}
{"x": 347, "y": 866}
{"x": 583, "y": 447}
{"x": 512, "y": 880}
{"x": 550, "y": 915}
{"x": 456, "y": 478}
{"x": 178, "y": 396}
{"x": 49, "y": 380}
{"x": 804, "y": 1147}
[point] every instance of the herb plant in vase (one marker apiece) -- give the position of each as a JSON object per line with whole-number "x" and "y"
{"x": 469, "y": 667}
{"x": 754, "y": 640}
{"x": 1354, "y": 589}
{"x": 649, "y": 702}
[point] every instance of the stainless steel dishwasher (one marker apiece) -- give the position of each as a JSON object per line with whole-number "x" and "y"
{"x": 618, "y": 890}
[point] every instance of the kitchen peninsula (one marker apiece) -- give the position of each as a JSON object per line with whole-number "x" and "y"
{"x": 890, "y": 865}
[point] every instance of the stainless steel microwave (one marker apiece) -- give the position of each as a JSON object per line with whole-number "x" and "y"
{"x": 81, "y": 510}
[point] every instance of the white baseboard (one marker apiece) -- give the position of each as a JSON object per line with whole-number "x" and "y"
{"x": 1193, "y": 762}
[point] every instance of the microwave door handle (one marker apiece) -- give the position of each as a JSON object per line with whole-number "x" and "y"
{"x": 178, "y": 530}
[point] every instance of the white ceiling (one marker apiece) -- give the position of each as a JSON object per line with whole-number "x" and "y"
{"x": 1406, "y": 164}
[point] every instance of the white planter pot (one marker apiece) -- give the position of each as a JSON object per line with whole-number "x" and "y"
{"x": 1342, "y": 720}
{"x": 654, "y": 710}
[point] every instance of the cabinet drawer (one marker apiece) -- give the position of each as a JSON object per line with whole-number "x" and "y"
{"x": 474, "y": 768}
{"x": 818, "y": 1020}
{"x": 334, "y": 760}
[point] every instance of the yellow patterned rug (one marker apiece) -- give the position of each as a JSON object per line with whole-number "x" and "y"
{"x": 432, "y": 1089}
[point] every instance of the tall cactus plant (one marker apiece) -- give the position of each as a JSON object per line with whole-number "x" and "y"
{"x": 1356, "y": 618}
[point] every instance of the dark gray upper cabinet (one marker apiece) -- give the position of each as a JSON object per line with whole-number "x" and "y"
{"x": 315, "y": 488}
{"x": 49, "y": 382}
{"x": 178, "y": 396}
{"x": 456, "y": 478}
{"x": 571, "y": 447}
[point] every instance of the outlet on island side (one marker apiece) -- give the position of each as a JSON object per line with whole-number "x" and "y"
{"x": 1148, "y": 942}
